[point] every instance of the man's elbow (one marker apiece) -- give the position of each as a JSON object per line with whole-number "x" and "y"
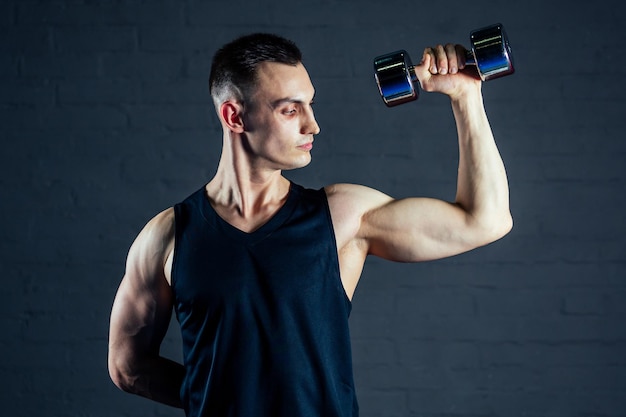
{"x": 121, "y": 372}
{"x": 507, "y": 224}
{"x": 488, "y": 229}
{"x": 499, "y": 227}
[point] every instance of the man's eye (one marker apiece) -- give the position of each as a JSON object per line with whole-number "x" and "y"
{"x": 290, "y": 111}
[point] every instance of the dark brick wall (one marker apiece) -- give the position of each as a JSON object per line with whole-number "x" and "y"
{"x": 105, "y": 120}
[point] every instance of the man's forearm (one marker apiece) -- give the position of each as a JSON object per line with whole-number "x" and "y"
{"x": 482, "y": 188}
{"x": 156, "y": 378}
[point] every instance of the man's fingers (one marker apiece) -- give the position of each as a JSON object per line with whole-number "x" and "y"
{"x": 429, "y": 60}
{"x": 460, "y": 56}
{"x": 441, "y": 60}
{"x": 453, "y": 61}
{"x": 444, "y": 59}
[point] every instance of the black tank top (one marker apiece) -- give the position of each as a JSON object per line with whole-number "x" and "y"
{"x": 263, "y": 315}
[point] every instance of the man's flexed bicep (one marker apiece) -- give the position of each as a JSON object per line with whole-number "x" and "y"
{"x": 421, "y": 229}
{"x": 404, "y": 230}
{"x": 140, "y": 317}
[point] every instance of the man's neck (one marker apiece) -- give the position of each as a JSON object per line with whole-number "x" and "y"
{"x": 247, "y": 200}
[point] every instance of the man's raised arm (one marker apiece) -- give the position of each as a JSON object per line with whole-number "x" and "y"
{"x": 419, "y": 229}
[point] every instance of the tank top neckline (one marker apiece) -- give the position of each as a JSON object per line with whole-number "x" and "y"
{"x": 266, "y": 229}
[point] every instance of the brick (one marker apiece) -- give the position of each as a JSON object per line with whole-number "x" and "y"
{"x": 585, "y": 303}
{"x": 539, "y": 356}
{"x": 616, "y": 302}
{"x": 68, "y": 118}
{"x": 69, "y": 40}
{"x": 7, "y": 14}
{"x": 32, "y": 13}
{"x": 207, "y": 14}
{"x": 384, "y": 403}
{"x": 9, "y": 66}
{"x": 68, "y": 13}
{"x": 198, "y": 64}
{"x": 141, "y": 66}
{"x": 183, "y": 91}
{"x": 59, "y": 66}
{"x": 518, "y": 303}
{"x": 28, "y": 92}
{"x": 371, "y": 325}
{"x": 433, "y": 303}
{"x": 171, "y": 117}
{"x": 25, "y": 40}
{"x": 157, "y": 38}
{"x": 536, "y": 403}
{"x": 426, "y": 355}
{"x": 98, "y": 91}
{"x": 373, "y": 352}
{"x": 449, "y": 401}
{"x": 157, "y": 13}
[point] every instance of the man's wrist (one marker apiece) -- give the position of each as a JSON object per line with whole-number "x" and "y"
{"x": 470, "y": 93}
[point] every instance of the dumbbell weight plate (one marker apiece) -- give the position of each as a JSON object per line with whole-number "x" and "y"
{"x": 395, "y": 76}
{"x": 491, "y": 52}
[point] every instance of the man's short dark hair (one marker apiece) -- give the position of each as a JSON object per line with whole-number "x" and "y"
{"x": 234, "y": 67}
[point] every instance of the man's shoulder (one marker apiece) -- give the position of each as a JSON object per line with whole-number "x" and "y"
{"x": 159, "y": 231}
{"x": 348, "y": 203}
{"x": 354, "y": 197}
{"x": 152, "y": 247}
{"x": 163, "y": 221}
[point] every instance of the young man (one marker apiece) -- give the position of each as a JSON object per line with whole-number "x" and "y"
{"x": 261, "y": 271}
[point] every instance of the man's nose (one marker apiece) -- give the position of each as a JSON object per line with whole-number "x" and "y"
{"x": 309, "y": 125}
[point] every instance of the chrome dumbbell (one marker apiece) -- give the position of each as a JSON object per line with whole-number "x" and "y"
{"x": 490, "y": 52}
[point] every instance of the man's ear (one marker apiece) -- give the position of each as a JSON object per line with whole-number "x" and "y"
{"x": 231, "y": 113}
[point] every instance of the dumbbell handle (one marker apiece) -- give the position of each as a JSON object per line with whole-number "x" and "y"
{"x": 469, "y": 60}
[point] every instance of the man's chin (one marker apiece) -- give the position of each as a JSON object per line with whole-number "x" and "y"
{"x": 299, "y": 164}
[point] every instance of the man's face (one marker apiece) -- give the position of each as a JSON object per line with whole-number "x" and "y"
{"x": 278, "y": 120}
